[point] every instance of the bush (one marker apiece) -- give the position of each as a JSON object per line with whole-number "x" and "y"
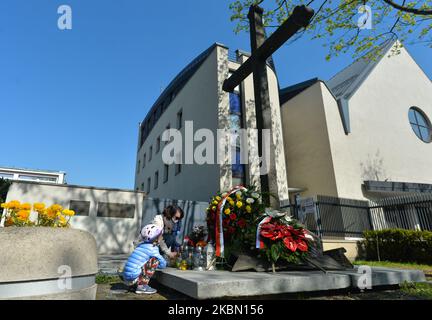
{"x": 4, "y": 188}
{"x": 398, "y": 245}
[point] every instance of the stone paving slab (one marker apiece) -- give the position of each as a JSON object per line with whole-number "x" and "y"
{"x": 218, "y": 284}
{"x": 382, "y": 276}
{"x": 109, "y": 264}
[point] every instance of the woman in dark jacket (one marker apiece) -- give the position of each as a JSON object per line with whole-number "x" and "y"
{"x": 170, "y": 221}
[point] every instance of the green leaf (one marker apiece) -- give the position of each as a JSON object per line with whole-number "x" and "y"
{"x": 275, "y": 254}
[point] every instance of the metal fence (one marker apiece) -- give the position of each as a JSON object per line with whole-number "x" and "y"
{"x": 340, "y": 218}
{"x": 348, "y": 218}
{"x": 412, "y": 212}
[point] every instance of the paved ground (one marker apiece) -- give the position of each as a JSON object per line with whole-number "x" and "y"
{"x": 109, "y": 264}
{"x": 115, "y": 290}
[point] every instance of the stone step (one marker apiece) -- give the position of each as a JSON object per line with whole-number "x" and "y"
{"x": 219, "y": 284}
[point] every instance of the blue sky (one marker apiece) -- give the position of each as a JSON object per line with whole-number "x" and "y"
{"x": 72, "y": 100}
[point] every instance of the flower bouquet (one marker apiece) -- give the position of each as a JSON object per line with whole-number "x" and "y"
{"x": 282, "y": 237}
{"x": 20, "y": 215}
{"x": 234, "y": 213}
{"x": 197, "y": 237}
{"x": 241, "y": 225}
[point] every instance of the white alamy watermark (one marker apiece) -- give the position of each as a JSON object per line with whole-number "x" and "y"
{"x": 365, "y": 279}
{"x": 205, "y": 146}
{"x": 64, "y": 22}
{"x": 65, "y": 280}
{"x": 365, "y": 19}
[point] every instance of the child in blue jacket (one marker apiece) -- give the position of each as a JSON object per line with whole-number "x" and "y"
{"x": 144, "y": 260}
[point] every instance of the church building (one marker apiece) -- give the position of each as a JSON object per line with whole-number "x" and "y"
{"x": 363, "y": 134}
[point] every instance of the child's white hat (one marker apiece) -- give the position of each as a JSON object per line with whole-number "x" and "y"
{"x": 150, "y": 232}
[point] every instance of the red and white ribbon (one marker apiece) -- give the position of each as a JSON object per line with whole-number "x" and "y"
{"x": 259, "y": 242}
{"x": 219, "y": 221}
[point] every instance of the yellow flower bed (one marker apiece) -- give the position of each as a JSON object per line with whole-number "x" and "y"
{"x": 20, "y": 215}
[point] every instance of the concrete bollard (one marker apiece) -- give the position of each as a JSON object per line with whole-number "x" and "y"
{"x": 47, "y": 263}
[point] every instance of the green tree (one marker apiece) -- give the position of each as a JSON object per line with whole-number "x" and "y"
{"x": 4, "y": 188}
{"x": 343, "y": 22}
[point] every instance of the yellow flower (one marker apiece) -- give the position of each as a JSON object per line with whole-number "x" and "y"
{"x": 213, "y": 208}
{"x": 232, "y": 203}
{"x": 4, "y": 205}
{"x": 215, "y": 202}
{"x": 227, "y": 211}
{"x": 50, "y": 213}
{"x": 23, "y": 215}
{"x": 9, "y": 222}
{"x": 68, "y": 213}
{"x": 14, "y": 205}
{"x": 25, "y": 206}
{"x": 229, "y": 199}
{"x": 248, "y": 209}
{"x": 62, "y": 221}
{"x": 56, "y": 207}
{"x": 238, "y": 195}
{"x": 239, "y": 204}
{"x": 39, "y": 207}
{"x": 218, "y": 198}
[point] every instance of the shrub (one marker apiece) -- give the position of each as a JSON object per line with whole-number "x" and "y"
{"x": 4, "y": 188}
{"x": 398, "y": 245}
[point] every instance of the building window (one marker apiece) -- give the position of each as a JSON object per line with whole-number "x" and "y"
{"x": 142, "y": 186}
{"x": 144, "y": 160}
{"x": 168, "y": 127}
{"x": 158, "y": 112}
{"x": 180, "y": 119}
{"x": 166, "y": 172}
{"x": 178, "y": 161}
{"x": 150, "y": 153}
{"x": 81, "y": 208}
{"x": 36, "y": 178}
{"x": 115, "y": 210}
{"x": 139, "y": 166}
{"x": 6, "y": 175}
{"x": 178, "y": 168}
{"x": 148, "y": 185}
{"x": 236, "y": 123}
{"x": 156, "y": 180}
{"x": 158, "y": 144}
{"x": 420, "y": 124}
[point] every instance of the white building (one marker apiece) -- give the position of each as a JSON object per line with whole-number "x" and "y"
{"x": 363, "y": 134}
{"x": 21, "y": 174}
{"x": 196, "y": 95}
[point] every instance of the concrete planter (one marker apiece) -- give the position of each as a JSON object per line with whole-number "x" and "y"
{"x": 47, "y": 263}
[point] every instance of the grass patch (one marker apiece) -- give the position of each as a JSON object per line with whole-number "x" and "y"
{"x": 427, "y": 269}
{"x": 106, "y": 279}
{"x": 419, "y": 290}
{"x": 416, "y": 290}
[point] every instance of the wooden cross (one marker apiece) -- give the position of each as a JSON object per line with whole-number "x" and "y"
{"x": 262, "y": 49}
